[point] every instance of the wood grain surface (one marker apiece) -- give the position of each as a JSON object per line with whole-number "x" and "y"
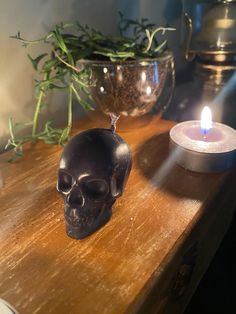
{"x": 114, "y": 270}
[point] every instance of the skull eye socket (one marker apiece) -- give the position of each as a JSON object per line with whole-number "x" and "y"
{"x": 65, "y": 181}
{"x": 96, "y": 189}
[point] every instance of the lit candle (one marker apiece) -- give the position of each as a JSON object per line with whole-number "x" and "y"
{"x": 204, "y": 146}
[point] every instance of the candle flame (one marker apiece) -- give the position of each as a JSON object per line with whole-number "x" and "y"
{"x": 206, "y": 120}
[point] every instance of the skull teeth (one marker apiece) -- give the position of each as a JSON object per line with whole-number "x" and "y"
{"x": 81, "y": 221}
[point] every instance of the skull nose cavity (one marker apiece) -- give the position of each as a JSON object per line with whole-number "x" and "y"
{"x": 73, "y": 214}
{"x": 75, "y": 198}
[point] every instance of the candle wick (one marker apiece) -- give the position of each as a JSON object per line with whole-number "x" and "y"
{"x": 204, "y": 132}
{"x": 114, "y": 120}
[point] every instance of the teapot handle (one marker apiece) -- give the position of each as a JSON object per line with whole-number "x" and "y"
{"x": 189, "y": 30}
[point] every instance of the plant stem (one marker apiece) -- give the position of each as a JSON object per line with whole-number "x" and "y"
{"x": 36, "y": 114}
{"x": 65, "y": 134}
{"x": 66, "y": 63}
{"x": 11, "y": 130}
{"x": 151, "y": 36}
{"x": 37, "y": 110}
{"x": 70, "y": 108}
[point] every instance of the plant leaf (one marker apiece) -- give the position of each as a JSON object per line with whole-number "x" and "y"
{"x": 35, "y": 62}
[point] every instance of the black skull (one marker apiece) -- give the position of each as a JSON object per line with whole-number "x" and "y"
{"x": 93, "y": 171}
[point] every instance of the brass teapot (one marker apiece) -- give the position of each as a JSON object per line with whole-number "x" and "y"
{"x": 210, "y": 30}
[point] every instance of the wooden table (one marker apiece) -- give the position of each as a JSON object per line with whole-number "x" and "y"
{"x": 149, "y": 258}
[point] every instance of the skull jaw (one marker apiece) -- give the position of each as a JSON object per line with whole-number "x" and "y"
{"x": 79, "y": 232}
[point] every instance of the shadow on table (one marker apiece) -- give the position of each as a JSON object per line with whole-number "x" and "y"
{"x": 157, "y": 164}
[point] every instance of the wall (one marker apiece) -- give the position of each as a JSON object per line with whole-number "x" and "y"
{"x": 34, "y": 18}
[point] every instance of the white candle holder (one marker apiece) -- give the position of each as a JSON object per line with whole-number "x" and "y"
{"x": 194, "y": 150}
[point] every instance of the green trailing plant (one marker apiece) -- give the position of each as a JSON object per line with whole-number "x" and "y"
{"x": 68, "y": 43}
